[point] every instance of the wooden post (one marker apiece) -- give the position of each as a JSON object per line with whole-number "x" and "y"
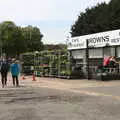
{"x": 87, "y": 60}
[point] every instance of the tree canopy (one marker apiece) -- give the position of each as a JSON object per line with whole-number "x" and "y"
{"x": 100, "y": 18}
{"x": 15, "y": 40}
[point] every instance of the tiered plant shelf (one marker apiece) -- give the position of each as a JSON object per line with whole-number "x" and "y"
{"x": 27, "y": 63}
{"x": 50, "y": 63}
{"x": 64, "y": 65}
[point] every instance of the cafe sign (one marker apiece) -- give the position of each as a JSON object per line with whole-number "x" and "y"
{"x": 76, "y": 43}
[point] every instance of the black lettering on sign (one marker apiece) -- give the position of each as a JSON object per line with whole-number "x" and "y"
{"x": 98, "y": 39}
{"x": 75, "y": 40}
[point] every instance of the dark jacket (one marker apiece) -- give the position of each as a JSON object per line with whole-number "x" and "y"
{"x": 4, "y": 67}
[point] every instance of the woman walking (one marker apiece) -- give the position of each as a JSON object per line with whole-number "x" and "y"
{"x": 15, "y": 70}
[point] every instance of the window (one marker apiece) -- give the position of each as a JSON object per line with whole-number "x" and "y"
{"x": 109, "y": 51}
{"x": 96, "y": 53}
{"x": 112, "y": 50}
{"x": 78, "y": 54}
{"x": 118, "y": 51}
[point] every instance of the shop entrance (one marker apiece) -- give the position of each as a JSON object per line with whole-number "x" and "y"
{"x": 95, "y": 62}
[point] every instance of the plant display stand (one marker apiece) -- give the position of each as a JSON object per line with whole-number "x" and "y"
{"x": 64, "y": 65}
{"x": 49, "y": 63}
{"x": 27, "y": 63}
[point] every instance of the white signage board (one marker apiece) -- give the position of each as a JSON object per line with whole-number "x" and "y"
{"x": 102, "y": 39}
{"x": 98, "y": 40}
{"x": 76, "y": 43}
{"x": 115, "y": 37}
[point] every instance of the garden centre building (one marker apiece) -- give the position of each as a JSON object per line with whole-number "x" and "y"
{"x": 91, "y": 49}
{"x": 82, "y": 58}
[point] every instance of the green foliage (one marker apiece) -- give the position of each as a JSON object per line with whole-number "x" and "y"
{"x": 65, "y": 72}
{"x": 15, "y": 40}
{"x": 32, "y": 38}
{"x": 52, "y": 63}
{"x": 100, "y": 18}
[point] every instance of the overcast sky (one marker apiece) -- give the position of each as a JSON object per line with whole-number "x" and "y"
{"x": 53, "y": 17}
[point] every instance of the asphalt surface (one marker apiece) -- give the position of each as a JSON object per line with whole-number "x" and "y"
{"x": 55, "y": 100}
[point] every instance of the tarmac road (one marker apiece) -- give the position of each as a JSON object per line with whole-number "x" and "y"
{"x": 33, "y": 102}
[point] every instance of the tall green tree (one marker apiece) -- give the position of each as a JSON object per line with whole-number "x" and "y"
{"x": 100, "y": 18}
{"x": 32, "y": 38}
{"x": 15, "y": 40}
{"x": 6, "y": 36}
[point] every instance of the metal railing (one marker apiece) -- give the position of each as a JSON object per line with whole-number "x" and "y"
{"x": 104, "y": 73}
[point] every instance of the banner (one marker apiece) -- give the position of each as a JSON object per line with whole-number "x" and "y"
{"x": 103, "y": 39}
{"x": 110, "y": 38}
